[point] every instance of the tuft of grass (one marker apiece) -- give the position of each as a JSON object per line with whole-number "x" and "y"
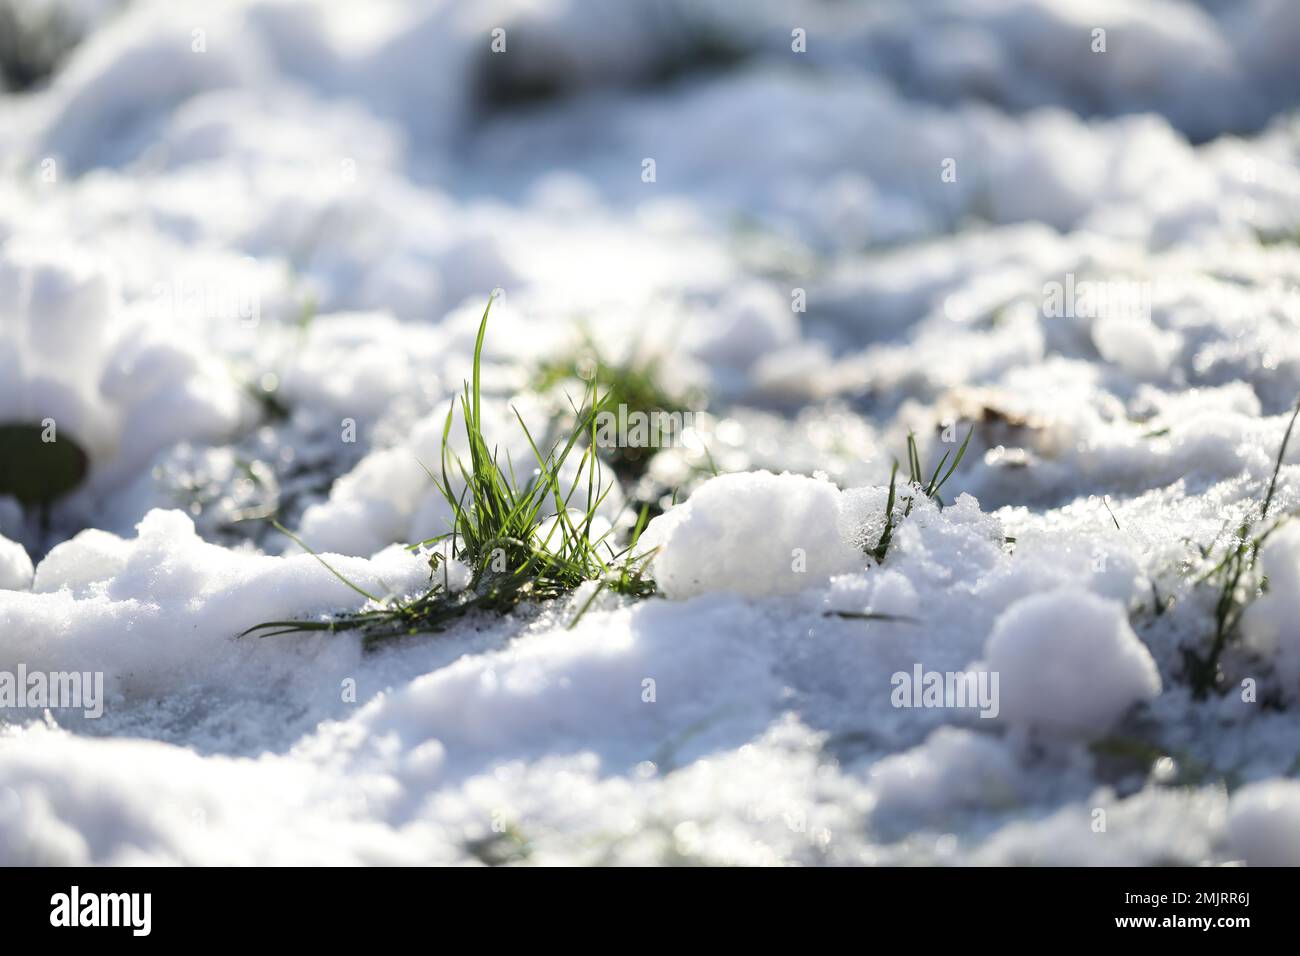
{"x": 917, "y": 484}
{"x": 268, "y": 401}
{"x": 635, "y": 382}
{"x": 522, "y": 540}
{"x": 1120, "y": 756}
{"x": 1237, "y": 580}
{"x": 38, "y": 464}
{"x": 1277, "y": 237}
{"x": 501, "y": 848}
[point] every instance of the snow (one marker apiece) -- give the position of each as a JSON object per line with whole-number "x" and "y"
{"x": 1069, "y": 662}
{"x": 247, "y": 280}
{"x": 158, "y": 613}
{"x": 953, "y": 770}
{"x": 1264, "y": 823}
{"x": 15, "y": 566}
{"x": 121, "y": 388}
{"x": 751, "y": 534}
{"x": 1272, "y": 624}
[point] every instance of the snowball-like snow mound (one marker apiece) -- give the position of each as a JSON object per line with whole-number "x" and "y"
{"x": 1272, "y": 624}
{"x": 15, "y": 566}
{"x": 1264, "y": 823}
{"x": 1069, "y": 662}
{"x": 753, "y": 534}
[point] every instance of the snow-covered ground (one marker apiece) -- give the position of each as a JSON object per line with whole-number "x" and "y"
{"x": 244, "y": 250}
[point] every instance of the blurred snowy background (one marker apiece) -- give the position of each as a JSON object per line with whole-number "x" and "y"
{"x": 229, "y": 229}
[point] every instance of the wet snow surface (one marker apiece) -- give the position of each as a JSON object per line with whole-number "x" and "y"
{"x": 212, "y": 260}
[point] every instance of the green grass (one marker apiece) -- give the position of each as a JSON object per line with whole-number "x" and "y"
{"x": 522, "y": 540}
{"x": 37, "y": 471}
{"x": 635, "y": 382}
{"x": 917, "y": 485}
{"x": 1236, "y": 577}
{"x": 1277, "y": 238}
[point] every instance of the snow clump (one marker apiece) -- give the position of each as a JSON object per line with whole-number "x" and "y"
{"x": 1069, "y": 662}
{"x": 753, "y": 534}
